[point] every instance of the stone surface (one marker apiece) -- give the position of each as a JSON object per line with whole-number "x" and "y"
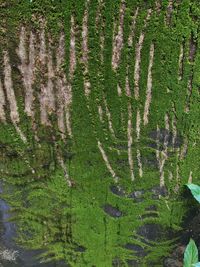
{"x": 112, "y": 211}
{"x": 138, "y": 250}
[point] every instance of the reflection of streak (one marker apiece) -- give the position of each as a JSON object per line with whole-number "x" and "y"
{"x": 149, "y": 86}
{"x": 105, "y": 158}
{"x": 130, "y": 140}
{"x": 138, "y": 50}
{"x": 10, "y": 229}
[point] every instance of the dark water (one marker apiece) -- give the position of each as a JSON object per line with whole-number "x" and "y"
{"x": 11, "y": 255}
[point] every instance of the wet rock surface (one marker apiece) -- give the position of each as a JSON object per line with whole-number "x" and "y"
{"x": 176, "y": 259}
{"x": 133, "y": 263}
{"x": 165, "y": 136}
{"x": 117, "y": 190}
{"x": 159, "y": 191}
{"x": 152, "y": 231}
{"x": 138, "y": 196}
{"x": 112, "y": 211}
{"x": 138, "y": 250}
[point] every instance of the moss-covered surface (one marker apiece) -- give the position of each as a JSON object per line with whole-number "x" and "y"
{"x": 73, "y": 223}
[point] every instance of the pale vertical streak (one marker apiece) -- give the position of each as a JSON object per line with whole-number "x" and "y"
{"x": 42, "y": 53}
{"x": 130, "y": 141}
{"x": 184, "y": 148}
{"x": 63, "y": 166}
{"x": 190, "y": 178}
{"x": 138, "y": 124}
{"x": 163, "y": 154}
{"x": 14, "y": 115}
{"x": 44, "y": 94}
{"x": 64, "y": 96}
{"x": 174, "y": 131}
{"x": 27, "y": 69}
{"x": 72, "y": 61}
{"x": 108, "y": 114}
{"x": 119, "y": 90}
{"x": 100, "y": 111}
{"x": 180, "y": 63}
{"x": 130, "y": 38}
{"x": 127, "y": 85}
{"x": 8, "y": 83}
{"x": 169, "y": 11}
{"x": 2, "y": 103}
{"x": 139, "y": 163}
{"x": 105, "y": 158}
{"x": 50, "y": 86}
{"x": 118, "y": 40}
{"x": 158, "y": 6}
{"x": 87, "y": 85}
{"x": 138, "y": 50}
{"x": 149, "y": 86}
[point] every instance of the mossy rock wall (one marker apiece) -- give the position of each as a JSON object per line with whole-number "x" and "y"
{"x": 99, "y": 132}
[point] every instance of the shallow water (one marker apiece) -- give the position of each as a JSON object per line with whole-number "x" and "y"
{"x": 11, "y": 255}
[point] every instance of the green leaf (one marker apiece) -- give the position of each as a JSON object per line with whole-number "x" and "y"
{"x": 191, "y": 254}
{"x": 195, "y": 190}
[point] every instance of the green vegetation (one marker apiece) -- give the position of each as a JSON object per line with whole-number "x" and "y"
{"x": 71, "y": 224}
{"x": 191, "y": 255}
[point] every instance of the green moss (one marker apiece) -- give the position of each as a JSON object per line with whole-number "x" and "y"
{"x": 63, "y": 220}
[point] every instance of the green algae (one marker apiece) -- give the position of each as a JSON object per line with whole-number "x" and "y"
{"x": 63, "y": 220}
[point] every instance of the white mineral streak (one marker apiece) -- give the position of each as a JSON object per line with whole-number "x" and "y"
{"x": 162, "y": 155}
{"x": 105, "y": 158}
{"x": 158, "y": 6}
{"x": 108, "y": 114}
{"x": 64, "y": 96}
{"x": 62, "y": 164}
{"x": 100, "y": 111}
{"x": 44, "y": 97}
{"x": 138, "y": 123}
{"x": 50, "y": 86}
{"x": 8, "y": 83}
{"x": 42, "y": 53}
{"x": 72, "y": 61}
{"x": 184, "y": 148}
{"x": 132, "y": 32}
{"x": 180, "y": 63}
{"x": 119, "y": 90}
{"x": 27, "y": 68}
{"x": 85, "y": 51}
{"x": 138, "y": 50}
{"x": 176, "y": 189}
{"x": 190, "y": 178}
{"x": 130, "y": 141}
{"x": 127, "y": 86}
{"x": 189, "y": 91}
{"x": 174, "y": 131}
{"x": 118, "y": 40}
{"x": 149, "y": 86}
{"x": 139, "y": 163}
{"x": 2, "y": 103}
{"x": 169, "y": 11}
{"x": 170, "y": 177}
